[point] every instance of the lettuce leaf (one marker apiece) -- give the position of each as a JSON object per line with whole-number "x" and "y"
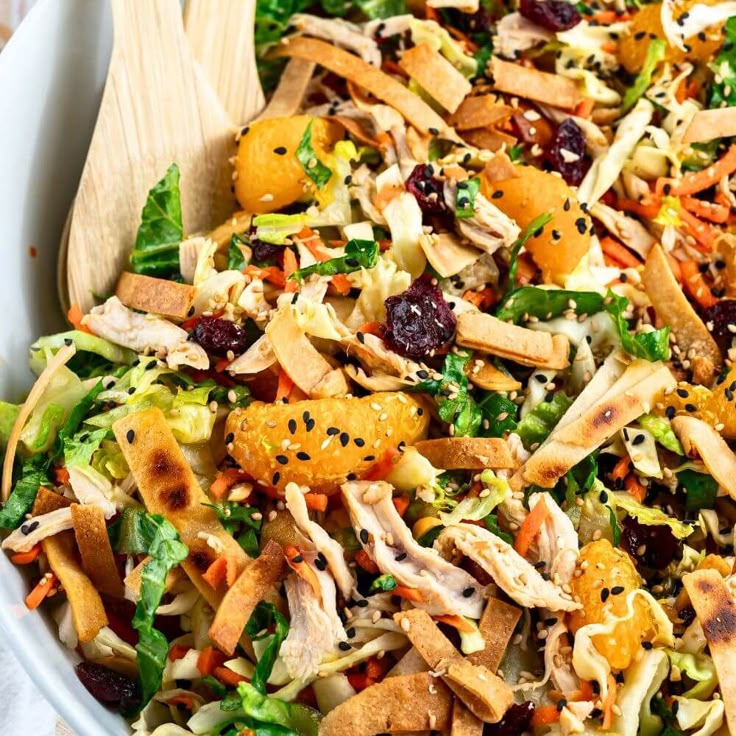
{"x": 76, "y": 417}
{"x": 536, "y": 426}
{"x": 654, "y": 345}
{"x": 651, "y": 516}
{"x": 358, "y": 254}
{"x": 655, "y": 55}
{"x": 166, "y": 551}
{"x": 156, "y": 250}
{"x": 19, "y": 503}
{"x": 264, "y": 617}
{"x": 239, "y": 522}
{"x": 264, "y": 709}
{"x": 84, "y": 342}
{"x": 8, "y": 415}
{"x": 305, "y": 154}
{"x": 374, "y": 9}
{"x": 545, "y": 304}
{"x": 478, "y": 508}
{"x": 723, "y": 91}
{"x": 662, "y": 431}
{"x": 700, "y": 669}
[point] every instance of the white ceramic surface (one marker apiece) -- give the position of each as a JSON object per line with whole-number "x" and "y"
{"x": 51, "y": 78}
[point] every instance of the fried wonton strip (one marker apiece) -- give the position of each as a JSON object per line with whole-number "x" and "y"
{"x": 483, "y": 692}
{"x": 48, "y": 501}
{"x": 570, "y": 443}
{"x": 532, "y": 84}
{"x": 447, "y": 254}
{"x": 287, "y": 98}
{"x": 417, "y": 702}
{"x": 410, "y": 664}
{"x": 62, "y": 357}
{"x": 716, "y": 612}
{"x": 528, "y": 347}
{"x": 489, "y": 139}
{"x": 673, "y": 308}
{"x": 167, "y": 486}
{"x": 464, "y": 723}
{"x": 351, "y": 67}
{"x": 238, "y": 223}
{"x": 301, "y": 360}
{"x": 467, "y": 453}
{"x": 157, "y": 296}
{"x": 707, "y": 125}
{"x": 480, "y": 111}
{"x": 485, "y": 375}
{"x": 248, "y": 591}
{"x": 699, "y": 438}
{"x": 98, "y": 562}
{"x": 436, "y": 75}
{"x": 497, "y": 626}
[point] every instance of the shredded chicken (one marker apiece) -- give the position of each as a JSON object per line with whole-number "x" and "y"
{"x": 628, "y": 230}
{"x": 341, "y": 33}
{"x": 515, "y": 33}
{"x": 385, "y": 537}
{"x": 510, "y": 571}
{"x": 374, "y": 354}
{"x": 324, "y": 544}
{"x": 145, "y": 333}
{"x": 31, "y": 532}
{"x": 557, "y": 541}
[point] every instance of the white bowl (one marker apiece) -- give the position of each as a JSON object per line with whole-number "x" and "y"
{"x": 51, "y": 78}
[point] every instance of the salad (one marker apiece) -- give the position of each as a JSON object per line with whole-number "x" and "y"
{"x": 434, "y": 435}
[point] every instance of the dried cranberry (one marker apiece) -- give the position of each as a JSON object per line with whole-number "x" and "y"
{"x": 419, "y": 321}
{"x": 687, "y": 615}
{"x": 428, "y": 191}
{"x": 478, "y": 22}
{"x": 657, "y": 544}
{"x": 110, "y": 688}
{"x": 722, "y": 315}
{"x": 218, "y": 336}
{"x": 554, "y": 15}
{"x": 569, "y": 139}
{"x": 263, "y": 253}
{"x": 518, "y": 718}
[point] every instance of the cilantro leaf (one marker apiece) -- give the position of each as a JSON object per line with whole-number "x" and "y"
{"x": 653, "y": 345}
{"x": 306, "y": 156}
{"x": 723, "y": 91}
{"x": 384, "y": 582}
{"x": 235, "y": 257}
{"x": 156, "y": 250}
{"x": 533, "y": 229}
{"x": 358, "y": 254}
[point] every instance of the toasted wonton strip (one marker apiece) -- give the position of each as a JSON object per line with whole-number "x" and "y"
{"x": 483, "y": 692}
{"x": 167, "y": 486}
{"x": 464, "y": 723}
{"x": 157, "y": 296}
{"x": 707, "y": 125}
{"x": 436, "y": 75}
{"x": 248, "y": 590}
{"x": 287, "y": 98}
{"x": 467, "y": 453}
{"x": 500, "y": 168}
{"x": 490, "y": 335}
{"x": 352, "y": 67}
{"x": 489, "y": 139}
{"x": 570, "y": 443}
{"x": 673, "y": 308}
{"x": 532, "y": 84}
{"x": 410, "y": 664}
{"x": 698, "y": 436}
{"x": 480, "y": 111}
{"x": 447, "y": 254}
{"x": 716, "y": 612}
{"x": 497, "y": 626}
{"x": 485, "y": 375}
{"x": 300, "y": 359}
{"x": 48, "y": 501}
{"x": 62, "y": 357}
{"x": 417, "y": 702}
{"x": 238, "y": 223}
{"x": 98, "y": 562}
{"x": 258, "y": 357}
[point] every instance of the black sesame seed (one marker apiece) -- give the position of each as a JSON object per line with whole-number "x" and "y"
{"x": 331, "y": 431}
{"x": 434, "y": 131}
{"x": 638, "y": 439}
{"x": 639, "y": 35}
{"x": 310, "y": 424}
{"x": 603, "y": 497}
{"x": 298, "y": 559}
{"x": 359, "y": 442}
{"x": 497, "y": 194}
{"x": 400, "y": 557}
{"x": 276, "y": 478}
{"x": 420, "y": 412}
{"x": 421, "y": 373}
{"x": 282, "y": 459}
{"x": 551, "y": 621}
{"x": 581, "y": 225}
{"x": 604, "y": 594}
{"x": 566, "y": 206}
{"x": 292, "y": 426}
{"x": 344, "y": 646}
{"x": 670, "y": 412}
{"x": 229, "y": 438}
{"x": 364, "y": 536}
{"x": 361, "y": 337}
{"x": 303, "y": 455}
{"x": 468, "y": 592}
{"x": 561, "y": 703}
{"x": 362, "y": 603}
{"x": 691, "y": 407}
{"x": 617, "y": 589}
{"x": 280, "y": 150}
{"x": 320, "y": 562}
{"x": 131, "y": 390}
{"x": 350, "y": 632}
{"x": 28, "y": 528}
{"x": 728, "y": 393}
{"x": 305, "y": 416}
{"x": 67, "y": 341}
{"x": 369, "y": 458}
{"x": 647, "y": 645}
{"x": 344, "y": 439}
{"x": 682, "y": 393}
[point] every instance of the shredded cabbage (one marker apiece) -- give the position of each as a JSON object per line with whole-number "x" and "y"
{"x": 651, "y": 516}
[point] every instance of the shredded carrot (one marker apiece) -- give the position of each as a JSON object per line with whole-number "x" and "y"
{"x": 373, "y": 328}
{"x": 61, "y": 475}
{"x": 544, "y": 715}
{"x": 295, "y": 560}
{"x": 284, "y": 388}
{"x": 530, "y": 528}
{"x": 608, "y": 704}
{"x": 697, "y": 181}
{"x": 386, "y": 194}
{"x": 401, "y": 504}
{"x": 457, "y": 622}
{"x": 75, "y": 315}
{"x": 711, "y": 211}
{"x": 635, "y": 488}
{"x": 611, "y": 47}
{"x": 273, "y": 274}
{"x": 431, "y": 13}
{"x": 228, "y": 677}
{"x": 621, "y": 468}
{"x": 365, "y": 562}
{"x": 470, "y": 46}
{"x": 209, "y": 659}
{"x": 186, "y": 700}
{"x": 382, "y": 467}
{"x": 177, "y": 651}
{"x": 43, "y": 589}
{"x": 695, "y": 285}
{"x": 526, "y": 269}
{"x": 341, "y": 283}
{"x": 703, "y": 232}
{"x": 409, "y": 594}
{"x": 25, "y": 558}
{"x": 648, "y": 209}
{"x": 290, "y": 265}
{"x": 584, "y": 692}
{"x": 606, "y": 17}
{"x": 223, "y": 569}
{"x": 482, "y": 299}
{"x": 619, "y": 253}
{"x": 316, "y": 501}
{"x": 391, "y": 67}
{"x": 585, "y": 108}
{"x": 226, "y": 480}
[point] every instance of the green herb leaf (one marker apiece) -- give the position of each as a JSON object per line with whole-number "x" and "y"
{"x": 700, "y": 490}
{"x": 533, "y": 229}
{"x": 264, "y": 709}
{"x": 496, "y": 405}
{"x": 306, "y": 156}
{"x": 235, "y": 257}
{"x": 264, "y": 617}
{"x": 536, "y": 426}
{"x": 166, "y": 552}
{"x": 544, "y": 304}
{"x": 24, "y": 493}
{"x": 615, "y": 528}
{"x": 653, "y": 345}
{"x": 8, "y": 415}
{"x": 655, "y": 55}
{"x": 381, "y": 8}
{"x": 358, "y": 254}
{"x": 156, "y": 251}
{"x": 78, "y": 450}
{"x": 239, "y": 522}
{"x": 466, "y": 193}
{"x": 384, "y": 582}
{"x": 723, "y": 91}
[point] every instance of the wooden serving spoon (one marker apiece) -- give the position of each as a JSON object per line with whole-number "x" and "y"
{"x": 157, "y": 109}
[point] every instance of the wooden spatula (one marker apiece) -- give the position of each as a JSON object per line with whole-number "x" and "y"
{"x": 157, "y": 109}
{"x": 221, "y": 38}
